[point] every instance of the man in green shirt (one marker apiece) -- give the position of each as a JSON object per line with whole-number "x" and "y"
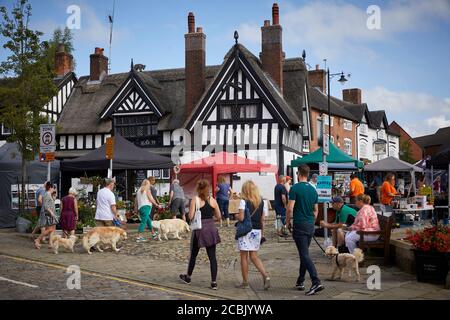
{"x": 344, "y": 216}
{"x": 303, "y": 208}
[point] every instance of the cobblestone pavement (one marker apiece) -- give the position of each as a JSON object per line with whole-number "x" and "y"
{"x": 24, "y": 280}
{"x": 160, "y": 263}
{"x": 178, "y": 250}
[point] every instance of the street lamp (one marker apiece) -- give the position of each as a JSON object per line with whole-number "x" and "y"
{"x": 341, "y": 80}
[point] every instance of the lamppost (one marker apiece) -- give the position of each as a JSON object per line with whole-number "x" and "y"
{"x": 342, "y": 80}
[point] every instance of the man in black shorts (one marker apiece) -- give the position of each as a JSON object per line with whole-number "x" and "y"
{"x": 177, "y": 200}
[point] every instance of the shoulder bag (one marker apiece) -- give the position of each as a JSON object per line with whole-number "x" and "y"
{"x": 196, "y": 223}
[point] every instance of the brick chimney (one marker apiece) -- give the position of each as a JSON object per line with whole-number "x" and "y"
{"x": 99, "y": 65}
{"x": 195, "y": 56}
{"x": 352, "y": 95}
{"x": 63, "y": 61}
{"x": 318, "y": 79}
{"x": 272, "y": 55}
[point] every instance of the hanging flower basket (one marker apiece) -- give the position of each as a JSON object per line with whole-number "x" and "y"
{"x": 431, "y": 251}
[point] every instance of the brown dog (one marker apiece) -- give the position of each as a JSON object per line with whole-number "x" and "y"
{"x": 103, "y": 235}
{"x": 341, "y": 261}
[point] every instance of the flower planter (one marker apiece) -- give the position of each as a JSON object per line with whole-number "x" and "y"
{"x": 431, "y": 266}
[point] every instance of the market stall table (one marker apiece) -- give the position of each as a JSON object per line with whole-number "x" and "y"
{"x": 413, "y": 211}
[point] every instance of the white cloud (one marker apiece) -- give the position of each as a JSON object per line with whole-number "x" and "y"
{"x": 419, "y": 113}
{"x": 331, "y": 29}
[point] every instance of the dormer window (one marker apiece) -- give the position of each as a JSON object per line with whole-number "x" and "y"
{"x": 142, "y": 129}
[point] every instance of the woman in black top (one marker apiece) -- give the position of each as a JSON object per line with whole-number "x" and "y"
{"x": 206, "y": 237}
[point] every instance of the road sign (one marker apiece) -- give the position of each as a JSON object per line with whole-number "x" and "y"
{"x": 47, "y": 138}
{"x": 326, "y": 144}
{"x": 323, "y": 168}
{"x": 47, "y": 157}
{"x": 324, "y": 185}
{"x": 109, "y": 148}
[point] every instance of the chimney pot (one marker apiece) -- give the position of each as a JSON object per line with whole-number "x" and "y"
{"x": 98, "y": 65}
{"x": 272, "y": 55}
{"x": 352, "y": 95}
{"x": 275, "y": 14}
{"x": 317, "y": 67}
{"x": 63, "y": 61}
{"x": 195, "y": 65}
{"x": 191, "y": 23}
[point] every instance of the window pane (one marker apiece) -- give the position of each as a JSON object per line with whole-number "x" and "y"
{"x": 226, "y": 112}
{"x": 251, "y": 111}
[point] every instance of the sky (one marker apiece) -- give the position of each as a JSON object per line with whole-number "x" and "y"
{"x": 401, "y": 63}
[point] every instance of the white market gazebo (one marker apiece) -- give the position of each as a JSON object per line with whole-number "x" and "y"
{"x": 395, "y": 165}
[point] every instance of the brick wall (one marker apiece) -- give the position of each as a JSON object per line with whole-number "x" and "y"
{"x": 337, "y": 131}
{"x": 416, "y": 150}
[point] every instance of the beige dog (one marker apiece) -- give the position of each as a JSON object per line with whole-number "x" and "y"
{"x": 171, "y": 226}
{"x": 57, "y": 241}
{"x": 103, "y": 235}
{"x": 341, "y": 261}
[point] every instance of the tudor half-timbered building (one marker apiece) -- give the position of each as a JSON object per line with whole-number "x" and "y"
{"x": 256, "y": 107}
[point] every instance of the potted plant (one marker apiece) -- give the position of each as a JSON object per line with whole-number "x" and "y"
{"x": 431, "y": 251}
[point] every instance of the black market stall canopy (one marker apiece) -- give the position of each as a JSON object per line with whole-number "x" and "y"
{"x": 11, "y": 177}
{"x": 337, "y": 159}
{"x": 127, "y": 156}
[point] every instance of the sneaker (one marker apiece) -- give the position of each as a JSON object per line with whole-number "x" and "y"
{"x": 300, "y": 286}
{"x": 266, "y": 283}
{"x": 185, "y": 278}
{"x": 314, "y": 289}
{"x": 214, "y": 285}
{"x": 155, "y": 235}
{"x": 141, "y": 239}
{"x": 243, "y": 285}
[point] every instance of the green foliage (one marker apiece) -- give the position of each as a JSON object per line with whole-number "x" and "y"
{"x": 86, "y": 215}
{"x": 30, "y": 84}
{"x": 405, "y": 152}
{"x": 64, "y": 37}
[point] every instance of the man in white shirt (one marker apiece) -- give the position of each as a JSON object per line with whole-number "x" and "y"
{"x": 106, "y": 205}
{"x": 313, "y": 180}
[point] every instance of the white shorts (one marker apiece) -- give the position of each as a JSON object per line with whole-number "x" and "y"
{"x": 250, "y": 242}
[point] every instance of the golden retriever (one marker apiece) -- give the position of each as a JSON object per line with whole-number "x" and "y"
{"x": 57, "y": 241}
{"x": 171, "y": 226}
{"x": 341, "y": 261}
{"x": 103, "y": 235}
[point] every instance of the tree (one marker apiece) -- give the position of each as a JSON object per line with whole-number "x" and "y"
{"x": 60, "y": 37}
{"x": 29, "y": 84}
{"x": 406, "y": 152}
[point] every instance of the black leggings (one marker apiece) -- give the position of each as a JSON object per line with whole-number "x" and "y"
{"x": 211, "y": 251}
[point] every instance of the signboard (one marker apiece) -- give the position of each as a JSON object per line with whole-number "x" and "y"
{"x": 109, "y": 148}
{"x": 323, "y": 168}
{"x": 380, "y": 148}
{"x": 47, "y": 138}
{"x": 324, "y": 185}
{"x": 47, "y": 157}
{"x": 326, "y": 144}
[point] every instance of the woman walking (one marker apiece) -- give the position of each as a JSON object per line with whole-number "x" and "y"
{"x": 223, "y": 193}
{"x": 208, "y": 236}
{"x": 49, "y": 214}
{"x": 154, "y": 213}
{"x": 69, "y": 213}
{"x": 143, "y": 204}
{"x": 254, "y": 208}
